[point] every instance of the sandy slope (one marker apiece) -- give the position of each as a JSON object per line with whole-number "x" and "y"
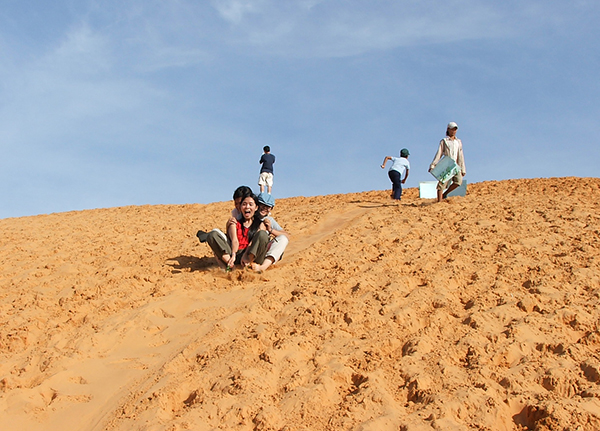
{"x": 477, "y": 313}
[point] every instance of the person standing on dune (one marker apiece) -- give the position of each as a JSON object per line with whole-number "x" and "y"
{"x": 451, "y": 147}
{"x": 266, "y": 171}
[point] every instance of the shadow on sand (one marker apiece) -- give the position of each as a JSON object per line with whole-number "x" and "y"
{"x": 371, "y": 204}
{"x": 191, "y": 263}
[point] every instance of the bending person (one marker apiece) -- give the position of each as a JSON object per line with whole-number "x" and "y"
{"x": 400, "y": 166}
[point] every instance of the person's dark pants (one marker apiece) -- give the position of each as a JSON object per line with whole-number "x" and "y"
{"x": 259, "y": 245}
{"x": 220, "y": 245}
{"x": 396, "y": 184}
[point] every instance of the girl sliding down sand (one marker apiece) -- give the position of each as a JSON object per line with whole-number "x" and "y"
{"x": 246, "y": 241}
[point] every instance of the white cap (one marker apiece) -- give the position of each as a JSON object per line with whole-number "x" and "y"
{"x": 452, "y": 125}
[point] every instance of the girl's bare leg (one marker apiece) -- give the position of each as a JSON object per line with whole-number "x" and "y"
{"x": 223, "y": 260}
{"x": 267, "y": 263}
{"x": 247, "y": 259}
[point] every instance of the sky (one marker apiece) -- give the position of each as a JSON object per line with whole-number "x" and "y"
{"x": 134, "y": 102}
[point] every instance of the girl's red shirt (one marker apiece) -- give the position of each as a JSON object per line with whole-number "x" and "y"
{"x": 242, "y": 235}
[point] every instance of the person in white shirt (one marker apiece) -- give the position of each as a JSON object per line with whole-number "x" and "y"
{"x": 280, "y": 238}
{"x": 400, "y": 166}
{"x": 451, "y": 147}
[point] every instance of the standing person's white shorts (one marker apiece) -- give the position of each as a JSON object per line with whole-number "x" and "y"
{"x": 265, "y": 179}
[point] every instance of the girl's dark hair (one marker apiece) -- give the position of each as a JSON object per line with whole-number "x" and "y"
{"x": 256, "y": 221}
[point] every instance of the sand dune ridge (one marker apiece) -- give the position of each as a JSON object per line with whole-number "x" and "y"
{"x": 477, "y": 313}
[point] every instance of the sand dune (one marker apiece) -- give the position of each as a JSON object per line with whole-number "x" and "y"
{"x": 479, "y": 313}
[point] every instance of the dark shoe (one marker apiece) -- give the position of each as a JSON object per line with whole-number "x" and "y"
{"x": 202, "y": 236}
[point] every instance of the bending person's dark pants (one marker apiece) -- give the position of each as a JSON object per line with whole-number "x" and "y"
{"x": 396, "y": 183}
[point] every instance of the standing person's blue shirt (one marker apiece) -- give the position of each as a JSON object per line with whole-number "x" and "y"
{"x": 266, "y": 171}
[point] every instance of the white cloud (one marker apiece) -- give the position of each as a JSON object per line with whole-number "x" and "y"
{"x": 341, "y": 28}
{"x": 336, "y": 28}
{"x": 234, "y": 11}
{"x": 77, "y": 80}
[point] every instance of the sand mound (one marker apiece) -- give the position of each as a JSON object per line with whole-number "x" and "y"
{"x": 477, "y": 313}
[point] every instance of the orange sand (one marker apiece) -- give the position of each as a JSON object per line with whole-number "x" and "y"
{"x": 479, "y": 313}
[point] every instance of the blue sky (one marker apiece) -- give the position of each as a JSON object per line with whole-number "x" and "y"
{"x": 132, "y": 102}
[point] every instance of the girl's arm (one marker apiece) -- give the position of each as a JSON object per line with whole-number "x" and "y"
{"x": 235, "y": 242}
